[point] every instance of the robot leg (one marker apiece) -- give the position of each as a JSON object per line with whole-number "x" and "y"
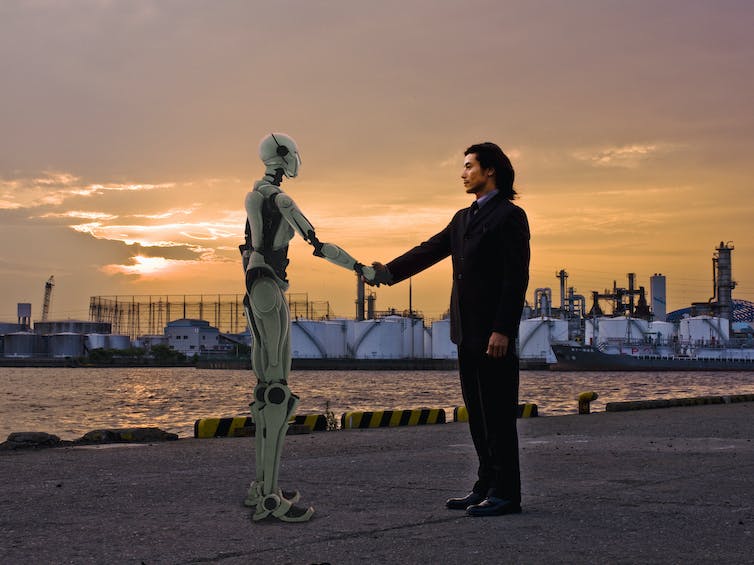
{"x": 279, "y": 406}
{"x": 273, "y": 402}
{"x": 256, "y": 489}
{"x": 267, "y": 320}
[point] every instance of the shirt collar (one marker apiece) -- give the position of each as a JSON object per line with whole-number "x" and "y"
{"x": 481, "y": 201}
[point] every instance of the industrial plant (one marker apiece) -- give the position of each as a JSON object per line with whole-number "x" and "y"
{"x": 619, "y": 320}
{"x": 215, "y": 325}
{"x": 639, "y": 333}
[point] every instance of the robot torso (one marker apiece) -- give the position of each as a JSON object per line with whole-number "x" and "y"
{"x": 267, "y": 233}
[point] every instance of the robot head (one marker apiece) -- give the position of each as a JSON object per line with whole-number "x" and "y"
{"x": 279, "y": 151}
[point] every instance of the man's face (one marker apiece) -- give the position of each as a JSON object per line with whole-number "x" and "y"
{"x": 476, "y": 180}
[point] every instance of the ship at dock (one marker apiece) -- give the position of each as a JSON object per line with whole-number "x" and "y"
{"x": 590, "y": 358}
{"x": 715, "y": 335}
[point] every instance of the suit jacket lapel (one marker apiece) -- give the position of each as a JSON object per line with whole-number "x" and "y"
{"x": 483, "y": 212}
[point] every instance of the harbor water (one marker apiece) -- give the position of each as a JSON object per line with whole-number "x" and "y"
{"x": 69, "y": 402}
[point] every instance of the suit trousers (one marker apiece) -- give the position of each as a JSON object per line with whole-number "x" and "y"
{"x": 490, "y": 392}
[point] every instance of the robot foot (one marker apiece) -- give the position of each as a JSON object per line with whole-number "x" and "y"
{"x": 274, "y": 506}
{"x": 297, "y": 514}
{"x": 254, "y": 496}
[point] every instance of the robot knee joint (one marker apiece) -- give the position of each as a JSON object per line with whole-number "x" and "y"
{"x": 276, "y": 394}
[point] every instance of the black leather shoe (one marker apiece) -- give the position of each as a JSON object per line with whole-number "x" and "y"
{"x": 493, "y": 506}
{"x": 463, "y": 503}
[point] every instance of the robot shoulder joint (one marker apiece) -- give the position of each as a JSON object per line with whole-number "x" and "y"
{"x": 284, "y": 201}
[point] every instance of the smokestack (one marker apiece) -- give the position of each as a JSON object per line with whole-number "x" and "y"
{"x": 725, "y": 283}
{"x": 563, "y": 277}
{"x": 657, "y": 294}
{"x": 631, "y": 290}
{"x": 359, "y": 298}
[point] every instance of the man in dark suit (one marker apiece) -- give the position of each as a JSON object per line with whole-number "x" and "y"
{"x": 489, "y": 246}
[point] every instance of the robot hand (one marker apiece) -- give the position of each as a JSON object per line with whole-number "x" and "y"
{"x": 381, "y": 275}
{"x": 369, "y": 273}
{"x": 366, "y": 272}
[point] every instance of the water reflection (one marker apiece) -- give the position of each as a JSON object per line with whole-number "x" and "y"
{"x": 70, "y": 402}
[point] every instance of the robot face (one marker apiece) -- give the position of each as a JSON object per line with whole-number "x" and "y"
{"x": 291, "y": 162}
{"x": 280, "y": 151}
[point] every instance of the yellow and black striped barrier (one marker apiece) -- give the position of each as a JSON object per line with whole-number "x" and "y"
{"x": 223, "y": 427}
{"x": 243, "y": 426}
{"x": 460, "y": 414}
{"x": 392, "y": 418}
{"x": 315, "y": 422}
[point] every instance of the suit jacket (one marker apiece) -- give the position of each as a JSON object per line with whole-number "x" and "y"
{"x": 490, "y": 253}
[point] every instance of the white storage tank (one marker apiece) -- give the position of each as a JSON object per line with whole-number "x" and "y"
{"x": 20, "y": 344}
{"x": 662, "y": 332}
{"x": 427, "y": 333}
{"x": 703, "y": 330}
{"x": 334, "y": 337}
{"x": 318, "y": 339}
{"x": 442, "y": 347}
{"x": 96, "y": 341}
{"x": 305, "y": 344}
{"x": 118, "y": 342}
{"x": 66, "y": 344}
{"x": 376, "y": 339}
{"x": 413, "y": 337}
{"x": 620, "y": 329}
{"x": 536, "y": 335}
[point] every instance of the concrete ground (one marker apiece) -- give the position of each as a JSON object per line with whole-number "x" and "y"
{"x": 656, "y": 486}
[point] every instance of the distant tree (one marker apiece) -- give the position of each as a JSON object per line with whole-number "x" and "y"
{"x": 163, "y": 354}
{"x": 101, "y": 356}
{"x": 132, "y": 352}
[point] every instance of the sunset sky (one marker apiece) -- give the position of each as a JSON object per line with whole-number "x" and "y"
{"x": 130, "y": 133}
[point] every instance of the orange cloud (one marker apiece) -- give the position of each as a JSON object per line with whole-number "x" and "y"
{"x": 145, "y": 267}
{"x": 80, "y": 214}
{"x": 54, "y": 188}
{"x": 628, "y": 156}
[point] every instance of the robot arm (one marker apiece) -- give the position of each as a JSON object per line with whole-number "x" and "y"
{"x": 328, "y": 251}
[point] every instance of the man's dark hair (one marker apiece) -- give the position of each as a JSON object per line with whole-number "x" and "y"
{"x": 490, "y": 156}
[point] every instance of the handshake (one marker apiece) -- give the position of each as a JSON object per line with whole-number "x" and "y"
{"x": 375, "y": 275}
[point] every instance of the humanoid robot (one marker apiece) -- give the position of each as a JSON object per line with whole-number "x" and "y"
{"x": 272, "y": 221}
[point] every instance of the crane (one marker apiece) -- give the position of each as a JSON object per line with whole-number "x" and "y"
{"x": 48, "y": 296}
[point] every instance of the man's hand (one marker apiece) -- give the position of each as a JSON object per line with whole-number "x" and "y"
{"x": 381, "y": 275}
{"x": 498, "y": 345}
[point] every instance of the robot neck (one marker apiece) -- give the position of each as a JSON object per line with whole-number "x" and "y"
{"x": 274, "y": 176}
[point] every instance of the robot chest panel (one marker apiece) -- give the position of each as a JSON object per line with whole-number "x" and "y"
{"x": 283, "y": 236}
{"x": 276, "y": 232}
